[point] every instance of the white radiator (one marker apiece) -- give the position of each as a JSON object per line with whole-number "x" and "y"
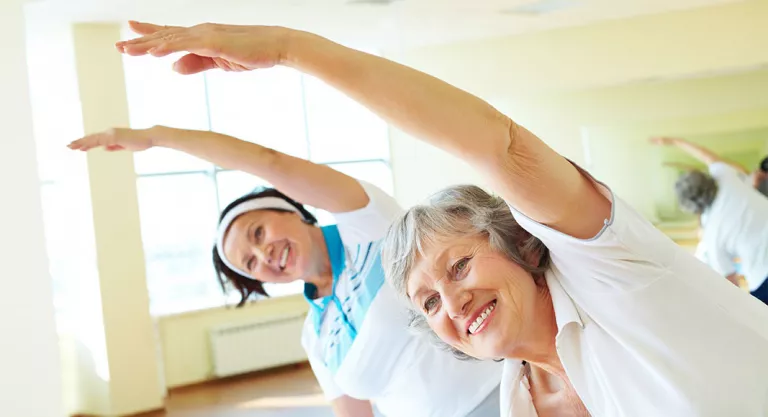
{"x": 256, "y": 345}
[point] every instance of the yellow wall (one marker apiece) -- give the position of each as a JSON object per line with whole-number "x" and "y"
{"x": 568, "y": 83}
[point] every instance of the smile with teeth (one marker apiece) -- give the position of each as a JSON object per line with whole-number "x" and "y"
{"x": 284, "y": 256}
{"x": 481, "y": 318}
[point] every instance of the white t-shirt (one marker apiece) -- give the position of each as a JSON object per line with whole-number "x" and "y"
{"x": 736, "y": 226}
{"x": 645, "y": 329}
{"x": 367, "y": 352}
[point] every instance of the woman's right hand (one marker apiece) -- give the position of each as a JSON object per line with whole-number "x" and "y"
{"x": 209, "y": 45}
{"x": 116, "y": 139}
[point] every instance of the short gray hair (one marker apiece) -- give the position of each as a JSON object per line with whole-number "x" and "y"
{"x": 463, "y": 210}
{"x": 695, "y": 191}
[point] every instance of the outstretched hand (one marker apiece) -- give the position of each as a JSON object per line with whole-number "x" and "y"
{"x": 662, "y": 141}
{"x": 133, "y": 140}
{"x": 209, "y": 46}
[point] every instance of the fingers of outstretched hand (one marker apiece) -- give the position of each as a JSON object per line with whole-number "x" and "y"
{"x": 143, "y": 28}
{"x": 91, "y": 141}
{"x": 163, "y": 39}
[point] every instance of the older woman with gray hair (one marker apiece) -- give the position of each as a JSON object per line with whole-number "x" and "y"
{"x": 734, "y": 217}
{"x": 595, "y": 311}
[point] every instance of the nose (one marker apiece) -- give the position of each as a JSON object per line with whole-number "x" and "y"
{"x": 264, "y": 254}
{"x": 456, "y": 302}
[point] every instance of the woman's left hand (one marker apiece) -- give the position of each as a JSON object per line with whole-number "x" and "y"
{"x": 209, "y": 45}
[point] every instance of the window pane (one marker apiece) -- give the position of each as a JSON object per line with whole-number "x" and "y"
{"x": 377, "y": 173}
{"x": 55, "y": 103}
{"x": 164, "y": 161}
{"x": 178, "y": 220}
{"x": 281, "y": 290}
{"x": 234, "y": 184}
{"x": 71, "y": 253}
{"x": 339, "y": 128}
{"x": 159, "y": 96}
{"x": 263, "y": 107}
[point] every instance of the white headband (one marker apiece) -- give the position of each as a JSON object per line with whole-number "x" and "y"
{"x": 242, "y": 208}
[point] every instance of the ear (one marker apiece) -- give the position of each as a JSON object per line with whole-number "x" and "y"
{"x": 533, "y": 256}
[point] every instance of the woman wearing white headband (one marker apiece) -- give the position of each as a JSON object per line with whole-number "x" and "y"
{"x": 356, "y": 333}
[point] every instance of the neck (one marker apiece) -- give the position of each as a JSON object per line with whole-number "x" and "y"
{"x": 321, "y": 275}
{"x": 537, "y": 342}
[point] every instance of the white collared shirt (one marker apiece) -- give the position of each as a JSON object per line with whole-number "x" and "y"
{"x": 645, "y": 329}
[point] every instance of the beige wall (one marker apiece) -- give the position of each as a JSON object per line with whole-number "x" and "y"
{"x": 184, "y": 337}
{"x": 30, "y": 382}
{"x": 134, "y": 373}
{"x": 565, "y": 83}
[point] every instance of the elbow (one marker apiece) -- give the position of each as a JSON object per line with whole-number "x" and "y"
{"x": 492, "y": 149}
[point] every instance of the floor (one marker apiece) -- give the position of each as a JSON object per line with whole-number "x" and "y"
{"x": 285, "y": 392}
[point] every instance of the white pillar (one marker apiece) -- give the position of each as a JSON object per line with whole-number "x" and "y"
{"x": 30, "y": 376}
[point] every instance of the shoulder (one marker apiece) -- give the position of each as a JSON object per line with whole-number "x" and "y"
{"x": 627, "y": 252}
{"x": 369, "y": 223}
{"x": 721, "y": 171}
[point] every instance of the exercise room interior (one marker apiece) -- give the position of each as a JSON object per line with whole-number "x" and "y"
{"x": 111, "y": 306}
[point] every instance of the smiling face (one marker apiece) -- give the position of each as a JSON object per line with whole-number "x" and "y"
{"x": 473, "y": 297}
{"x": 272, "y": 246}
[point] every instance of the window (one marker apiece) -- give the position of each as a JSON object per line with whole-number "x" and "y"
{"x": 180, "y": 197}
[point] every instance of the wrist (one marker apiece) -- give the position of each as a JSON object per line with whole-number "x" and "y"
{"x": 159, "y": 136}
{"x": 295, "y": 44}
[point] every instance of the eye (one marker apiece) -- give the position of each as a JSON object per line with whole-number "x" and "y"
{"x": 430, "y": 303}
{"x": 258, "y": 233}
{"x": 460, "y": 266}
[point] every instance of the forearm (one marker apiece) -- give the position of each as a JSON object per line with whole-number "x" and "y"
{"x": 313, "y": 184}
{"x": 414, "y": 102}
{"x": 699, "y": 152}
{"x": 345, "y": 406}
{"x": 682, "y": 166}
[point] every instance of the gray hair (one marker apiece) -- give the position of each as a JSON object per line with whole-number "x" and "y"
{"x": 463, "y": 210}
{"x": 695, "y": 191}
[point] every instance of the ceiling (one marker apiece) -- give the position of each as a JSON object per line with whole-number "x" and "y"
{"x": 371, "y": 23}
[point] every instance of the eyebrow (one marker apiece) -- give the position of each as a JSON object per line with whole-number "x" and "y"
{"x": 440, "y": 255}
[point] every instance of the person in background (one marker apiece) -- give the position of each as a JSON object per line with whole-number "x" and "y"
{"x": 356, "y": 333}
{"x": 757, "y": 179}
{"x": 760, "y": 177}
{"x": 733, "y": 217}
{"x": 594, "y": 310}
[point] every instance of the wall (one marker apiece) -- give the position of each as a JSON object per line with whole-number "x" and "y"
{"x": 563, "y": 83}
{"x": 30, "y": 381}
{"x": 184, "y": 337}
